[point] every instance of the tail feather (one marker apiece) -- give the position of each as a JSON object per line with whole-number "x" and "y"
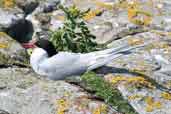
{"x": 104, "y": 57}
{"x": 102, "y": 61}
{"x": 111, "y": 50}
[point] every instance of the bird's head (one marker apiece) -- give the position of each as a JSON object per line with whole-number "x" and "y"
{"x": 41, "y": 43}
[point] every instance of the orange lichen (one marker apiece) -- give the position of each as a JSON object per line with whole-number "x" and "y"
{"x": 166, "y": 95}
{"x": 151, "y": 104}
{"x": 9, "y": 3}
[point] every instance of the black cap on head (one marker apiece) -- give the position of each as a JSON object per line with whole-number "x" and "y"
{"x": 47, "y": 46}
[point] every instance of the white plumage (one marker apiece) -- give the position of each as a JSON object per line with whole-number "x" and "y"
{"x": 65, "y": 64}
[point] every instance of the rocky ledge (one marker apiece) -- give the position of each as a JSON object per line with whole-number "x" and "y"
{"x": 137, "y": 76}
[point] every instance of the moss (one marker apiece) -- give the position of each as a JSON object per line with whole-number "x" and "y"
{"x": 7, "y": 60}
{"x": 3, "y": 59}
{"x": 104, "y": 90}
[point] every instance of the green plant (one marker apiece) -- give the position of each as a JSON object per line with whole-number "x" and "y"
{"x": 104, "y": 90}
{"x": 74, "y": 36}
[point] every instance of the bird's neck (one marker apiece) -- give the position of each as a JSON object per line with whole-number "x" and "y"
{"x": 37, "y": 57}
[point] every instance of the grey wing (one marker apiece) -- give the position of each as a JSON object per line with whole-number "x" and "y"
{"x": 63, "y": 64}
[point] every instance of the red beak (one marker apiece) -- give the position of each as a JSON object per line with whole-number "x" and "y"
{"x": 30, "y": 44}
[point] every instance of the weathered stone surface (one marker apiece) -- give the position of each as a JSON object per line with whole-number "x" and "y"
{"x": 142, "y": 63}
{"x": 143, "y": 99}
{"x": 27, "y": 5}
{"x": 11, "y": 51}
{"x": 9, "y": 17}
{"x": 24, "y": 92}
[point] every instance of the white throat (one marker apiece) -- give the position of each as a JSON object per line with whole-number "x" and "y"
{"x": 38, "y": 56}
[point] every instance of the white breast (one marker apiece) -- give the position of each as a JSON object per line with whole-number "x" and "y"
{"x": 38, "y": 56}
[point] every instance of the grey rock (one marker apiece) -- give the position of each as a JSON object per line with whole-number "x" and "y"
{"x": 9, "y": 17}
{"x": 3, "y": 112}
{"x": 27, "y": 6}
{"x": 50, "y": 6}
{"x": 11, "y": 51}
{"x": 28, "y": 93}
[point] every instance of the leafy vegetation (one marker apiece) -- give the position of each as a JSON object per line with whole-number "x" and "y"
{"x": 105, "y": 91}
{"x": 74, "y": 36}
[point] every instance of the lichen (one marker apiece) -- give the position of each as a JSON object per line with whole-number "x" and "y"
{"x": 62, "y": 106}
{"x": 137, "y": 81}
{"x": 4, "y": 59}
{"x": 137, "y": 15}
{"x": 152, "y": 104}
{"x": 8, "y": 3}
{"x": 92, "y": 14}
{"x": 135, "y": 96}
{"x": 166, "y": 95}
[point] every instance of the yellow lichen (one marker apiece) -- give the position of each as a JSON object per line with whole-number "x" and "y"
{"x": 97, "y": 111}
{"x": 133, "y": 97}
{"x": 149, "y": 100}
{"x": 122, "y": 4}
{"x": 138, "y": 80}
{"x": 136, "y": 15}
{"x": 2, "y": 34}
{"x": 3, "y": 45}
{"x": 166, "y": 95}
{"x": 149, "y": 108}
{"x": 62, "y": 106}
{"x": 9, "y": 3}
{"x": 151, "y": 104}
{"x": 101, "y": 109}
{"x": 158, "y": 105}
{"x": 92, "y": 14}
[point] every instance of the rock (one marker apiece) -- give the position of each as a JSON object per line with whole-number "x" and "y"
{"x": 143, "y": 59}
{"x": 50, "y": 6}
{"x": 41, "y": 18}
{"x": 3, "y": 112}
{"x": 28, "y": 93}
{"x": 11, "y": 52}
{"x": 9, "y": 17}
{"x": 27, "y": 6}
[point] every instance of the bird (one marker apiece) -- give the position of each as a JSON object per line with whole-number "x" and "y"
{"x": 57, "y": 65}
